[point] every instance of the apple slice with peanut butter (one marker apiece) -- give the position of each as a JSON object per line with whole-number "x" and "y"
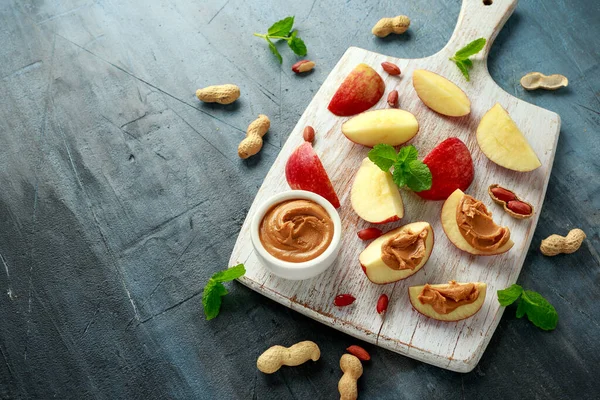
{"x": 451, "y": 301}
{"x": 470, "y": 227}
{"x": 398, "y": 254}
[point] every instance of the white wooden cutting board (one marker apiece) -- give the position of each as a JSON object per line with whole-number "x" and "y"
{"x": 457, "y": 346}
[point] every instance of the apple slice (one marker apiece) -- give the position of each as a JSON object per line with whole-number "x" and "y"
{"x": 451, "y": 168}
{"x": 361, "y": 90}
{"x": 374, "y": 195}
{"x": 378, "y": 271}
{"x": 305, "y": 171}
{"x": 451, "y": 228}
{"x": 502, "y": 142}
{"x": 389, "y": 126}
{"x": 457, "y": 314}
{"x": 441, "y": 95}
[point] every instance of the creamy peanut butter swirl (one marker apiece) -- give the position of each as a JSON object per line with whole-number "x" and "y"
{"x": 446, "y": 298}
{"x": 404, "y": 250}
{"x": 296, "y": 230}
{"x": 476, "y": 225}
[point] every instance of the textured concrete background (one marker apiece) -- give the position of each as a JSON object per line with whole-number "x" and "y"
{"x": 120, "y": 194}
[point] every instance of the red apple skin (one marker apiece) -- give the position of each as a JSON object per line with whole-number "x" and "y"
{"x": 304, "y": 171}
{"x": 390, "y": 219}
{"x": 361, "y": 90}
{"x": 451, "y": 168}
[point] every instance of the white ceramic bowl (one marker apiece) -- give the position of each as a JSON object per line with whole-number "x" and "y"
{"x": 301, "y": 270}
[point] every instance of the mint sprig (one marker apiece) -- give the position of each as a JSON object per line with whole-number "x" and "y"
{"x": 408, "y": 170}
{"x": 282, "y": 30}
{"x": 538, "y": 310}
{"x": 461, "y": 57}
{"x": 214, "y": 289}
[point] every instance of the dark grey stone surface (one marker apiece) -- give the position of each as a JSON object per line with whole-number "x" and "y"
{"x": 120, "y": 194}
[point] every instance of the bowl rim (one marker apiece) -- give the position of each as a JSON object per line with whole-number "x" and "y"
{"x": 291, "y": 195}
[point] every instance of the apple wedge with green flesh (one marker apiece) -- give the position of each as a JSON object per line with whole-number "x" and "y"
{"x": 374, "y": 195}
{"x": 503, "y": 143}
{"x": 451, "y": 229}
{"x": 457, "y": 314}
{"x": 441, "y": 95}
{"x": 378, "y": 271}
{"x": 388, "y": 126}
{"x": 361, "y": 90}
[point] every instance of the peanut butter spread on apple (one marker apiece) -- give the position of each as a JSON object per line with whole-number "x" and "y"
{"x": 404, "y": 250}
{"x": 476, "y": 225}
{"x": 296, "y": 230}
{"x": 446, "y": 299}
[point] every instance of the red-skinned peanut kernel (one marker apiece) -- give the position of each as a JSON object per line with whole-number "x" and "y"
{"x": 308, "y": 134}
{"x": 359, "y": 352}
{"x": 519, "y": 207}
{"x": 382, "y": 303}
{"x": 369, "y": 233}
{"x": 393, "y": 99}
{"x": 343, "y": 300}
{"x": 390, "y": 68}
{"x": 303, "y": 66}
{"x": 503, "y": 194}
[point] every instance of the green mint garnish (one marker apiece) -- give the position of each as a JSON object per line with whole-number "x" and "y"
{"x": 214, "y": 289}
{"x": 461, "y": 58}
{"x": 282, "y": 30}
{"x": 538, "y": 310}
{"x": 408, "y": 170}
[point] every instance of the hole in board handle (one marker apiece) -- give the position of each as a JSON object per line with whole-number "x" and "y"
{"x": 487, "y": 2}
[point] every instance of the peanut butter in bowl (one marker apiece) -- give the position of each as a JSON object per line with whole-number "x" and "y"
{"x": 296, "y": 230}
{"x": 296, "y": 234}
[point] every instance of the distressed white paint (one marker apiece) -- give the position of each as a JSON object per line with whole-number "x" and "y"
{"x": 459, "y": 345}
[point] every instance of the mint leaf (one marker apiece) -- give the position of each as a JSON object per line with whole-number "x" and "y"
{"x": 470, "y": 49}
{"x": 461, "y": 57}
{"x": 229, "y": 274}
{"x": 539, "y": 311}
{"x": 211, "y": 298}
{"x": 463, "y": 68}
{"x": 297, "y": 46}
{"x": 383, "y": 155}
{"x": 407, "y": 154}
{"x": 398, "y": 175}
{"x": 509, "y": 295}
{"x": 275, "y": 51}
{"x": 418, "y": 176}
{"x": 281, "y": 28}
{"x": 214, "y": 289}
{"x": 408, "y": 170}
{"x": 521, "y": 309}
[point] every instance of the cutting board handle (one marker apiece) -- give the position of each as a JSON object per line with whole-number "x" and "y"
{"x": 479, "y": 18}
